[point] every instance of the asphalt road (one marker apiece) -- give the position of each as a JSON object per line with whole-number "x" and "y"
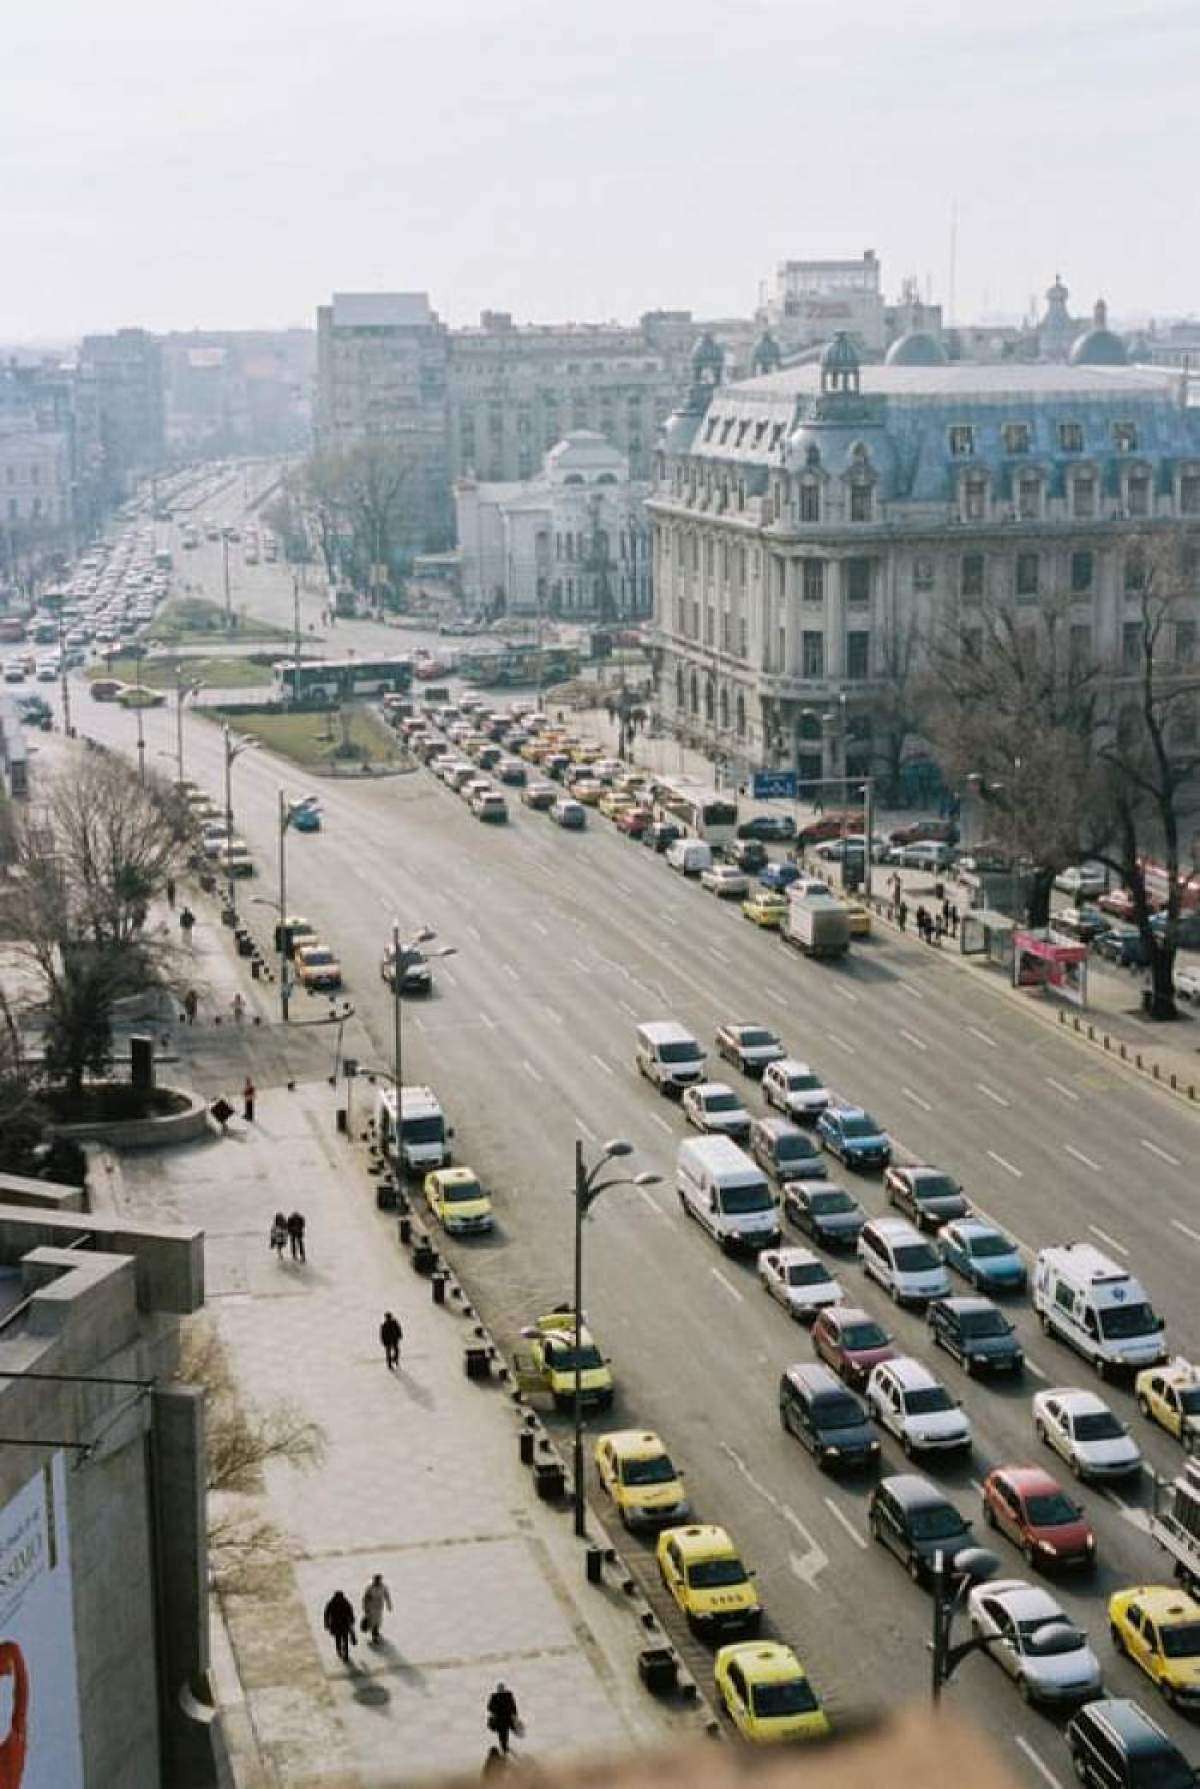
{"x": 564, "y": 942}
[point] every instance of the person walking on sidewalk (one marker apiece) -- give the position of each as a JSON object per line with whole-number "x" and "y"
{"x": 295, "y": 1230}
{"x": 170, "y": 891}
{"x": 375, "y": 1599}
{"x": 191, "y": 1002}
{"x": 339, "y": 1621}
{"x": 239, "y": 1008}
{"x": 391, "y": 1335}
{"x": 279, "y": 1233}
{"x": 248, "y": 1091}
{"x": 502, "y": 1717}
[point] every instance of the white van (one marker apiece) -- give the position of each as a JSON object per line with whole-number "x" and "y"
{"x": 424, "y": 1134}
{"x": 729, "y": 1194}
{"x": 690, "y": 856}
{"x": 668, "y": 1055}
{"x": 1096, "y": 1307}
{"x": 905, "y": 1263}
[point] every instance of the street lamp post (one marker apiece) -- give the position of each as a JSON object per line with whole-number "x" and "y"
{"x": 234, "y": 748}
{"x": 296, "y": 631}
{"x": 587, "y": 1190}
{"x": 288, "y": 811}
{"x": 403, "y": 956}
{"x": 183, "y": 691}
{"x": 952, "y": 1580}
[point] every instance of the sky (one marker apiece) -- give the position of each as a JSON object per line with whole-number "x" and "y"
{"x": 230, "y": 164}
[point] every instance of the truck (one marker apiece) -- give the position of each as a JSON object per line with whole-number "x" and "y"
{"x": 817, "y": 925}
{"x": 424, "y": 1141}
{"x": 1175, "y": 1522}
{"x": 1095, "y": 1306}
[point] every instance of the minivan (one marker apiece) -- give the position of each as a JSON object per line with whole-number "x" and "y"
{"x": 690, "y": 856}
{"x": 826, "y": 1418}
{"x": 904, "y": 1262}
{"x": 726, "y": 1193}
{"x": 785, "y": 1151}
{"x": 1114, "y": 1745}
{"x": 668, "y": 1055}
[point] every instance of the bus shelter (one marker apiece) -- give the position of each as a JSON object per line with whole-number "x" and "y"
{"x": 985, "y": 932}
{"x": 1041, "y": 959}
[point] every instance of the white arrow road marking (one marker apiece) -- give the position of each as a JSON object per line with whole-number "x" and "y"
{"x": 808, "y": 1565}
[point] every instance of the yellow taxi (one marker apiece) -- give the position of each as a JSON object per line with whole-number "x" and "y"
{"x": 587, "y": 790}
{"x": 587, "y": 752}
{"x": 703, "y": 1571}
{"x": 1170, "y": 1396}
{"x": 317, "y": 969}
{"x": 765, "y": 1691}
{"x": 612, "y": 801}
{"x": 860, "y": 919}
{"x": 534, "y": 750}
{"x": 547, "y": 1363}
{"x": 1158, "y": 1627}
{"x": 457, "y": 1201}
{"x": 639, "y": 1475}
{"x": 765, "y": 908}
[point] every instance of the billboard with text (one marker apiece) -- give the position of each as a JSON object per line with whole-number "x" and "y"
{"x": 39, "y": 1690}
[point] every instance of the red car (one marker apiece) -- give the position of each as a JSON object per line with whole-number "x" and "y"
{"x": 1037, "y": 1515}
{"x": 851, "y": 1342}
{"x": 634, "y": 821}
{"x": 915, "y": 832}
{"x": 830, "y": 826}
{"x": 1118, "y": 902}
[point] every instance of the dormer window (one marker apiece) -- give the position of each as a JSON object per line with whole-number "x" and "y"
{"x": 711, "y": 427}
{"x": 760, "y": 430}
{"x": 962, "y": 441}
{"x": 1125, "y": 437}
{"x": 810, "y": 501}
{"x": 776, "y": 436}
{"x": 1070, "y": 437}
{"x": 726, "y": 431}
{"x": 743, "y": 427}
{"x": 1189, "y": 493}
{"x": 1016, "y": 437}
{"x": 862, "y": 501}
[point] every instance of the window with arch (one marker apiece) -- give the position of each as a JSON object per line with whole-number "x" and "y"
{"x": 724, "y": 711}
{"x": 573, "y": 478}
{"x": 810, "y": 501}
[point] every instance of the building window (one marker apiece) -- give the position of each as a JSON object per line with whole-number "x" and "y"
{"x": 1081, "y": 646}
{"x": 740, "y": 715}
{"x": 680, "y": 617}
{"x": 1082, "y": 571}
{"x": 781, "y": 637}
{"x": 724, "y": 709}
{"x": 922, "y": 573}
{"x": 858, "y": 655}
{"x": 814, "y": 580}
{"x": 1070, "y": 437}
{"x": 1135, "y": 572}
{"x": 971, "y": 576}
{"x": 679, "y": 686}
{"x": 708, "y": 699}
{"x": 813, "y": 651}
{"x": 962, "y": 441}
{"x": 1028, "y": 575}
{"x": 709, "y": 623}
{"x": 1016, "y": 437}
{"x": 862, "y": 503}
{"x": 693, "y": 694}
{"x": 726, "y": 631}
{"x": 1131, "y": 645}
{"x": 858, "y": 581}
{"x": 1137, "y": 494}
{"x": 1125, "y": 437}
{"x": 1084, "y": 491}
{"x": 974, "y": 499}
{"x": 743, "y": 638}
{"x": 1189, "y": 495}
{"x": 1181, "y": 727}
{"x": 810, "y": 503}
{"x": 1191, "y": 567}
{"x": 1185, "y": 642}
{"x": 1029, "y": 499}
{"x": 780, "y": 576}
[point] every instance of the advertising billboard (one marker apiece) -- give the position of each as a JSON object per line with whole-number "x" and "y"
{"x": 39, "y": 1692}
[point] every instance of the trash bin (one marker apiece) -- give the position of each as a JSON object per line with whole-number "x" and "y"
{"x": 424, "y": 1256}
{"x": 477, "y": 1362}
{"x": 405, "y": 1228}
{"x": 385, "y": 1197}
{"x": 594, "y": 1564}
{"x": 658, "y": 1669}
{"x": 1147, "y": 999}
{"x": 438, "y": 1285}
{"x": 525, "y": 1445}
{"x": 549, "y": 1480}
{"x": 341, "y": 1120}
{"x": 255, "y": 969}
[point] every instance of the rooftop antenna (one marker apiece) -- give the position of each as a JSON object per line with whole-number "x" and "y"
{"x": 953, "y": 257}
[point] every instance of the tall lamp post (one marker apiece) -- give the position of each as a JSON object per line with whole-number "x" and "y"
{"x": 402, "y": 958}
{"x": 952, "y": 1580}
{"x": 234, "y": 747}
{"x": 184, "y": 692}
{"x": 588, "y": 1188}
{"x": 288, "y": 812}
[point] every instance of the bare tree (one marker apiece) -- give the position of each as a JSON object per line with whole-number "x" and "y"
{"x": 321, "y": 491}
{"x": 896, "y": 710}
{"x": 376, "y": 475}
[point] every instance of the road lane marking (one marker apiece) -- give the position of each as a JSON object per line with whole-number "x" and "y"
{"x": 808, "y": 1565}
{"x": 910, "y": 1037}
{"x": 447, "y": 975}
{"x": 1042, "y": 1768}
{"x": 600, "y": 1063}
{"x": 726, "y": 1284}
{"x": 552, "y": 1013}
{"x": 1161, "y": 1153}
{"x": 474, "y": 933}
{"x": 916, "y": 1099}
{"x": 627, "y": 1008}
{"x": 1137, "y": 1518}
{"x": 662, "y": 1123}
{"x": 656, "y": 1209}
{"x": 982, "y": 1036}
{"x": 839, "y": 1515}
{"x": 1080, "y": 1157}
{"x": 530, "y": 1070}
{"x": 509, "y": 970}
{"x": 1017, "y": 1173}
{"x": 845, "y": 994}
{"x": 1038, "y": 1372}
{"x": 841, "y": 1043}
{"x": 586, "y": 1129}
{"x": 583, "y": 968}
{"x": 1110, "y": 1240}
{"x": 992, "y": 1094}
{"x": 1059, "y": 1088}
{"x": 487, "y": 1020}
{"x": 539, "y": 927}
{"x": 719, "y": 954}
{"x": 1184, "y": 1229}
{"x": 909, "y": 988}
{"x": 623, "y": 886}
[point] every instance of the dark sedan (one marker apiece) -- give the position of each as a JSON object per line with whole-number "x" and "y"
{"x": 771, "y": 829}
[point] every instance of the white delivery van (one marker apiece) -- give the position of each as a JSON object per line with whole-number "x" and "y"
{"x": 729, "y": 1194}
{"x": 1096, "y": 1307}
{"x": 689, "y": 856}
{"x": 668, "y": 1055}
{"x": 424, "y": 1141}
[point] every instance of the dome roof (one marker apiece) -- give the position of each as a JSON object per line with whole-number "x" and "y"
{"x": 679, "y": 431}
{"x": 1099, "y": 346}
{"x": 707, "y": 353}
{"x": 840, "y": 355}
{"x": 585, "y": 453}
{"x": 837, "y": 449}
{"x": 766, "y": 354}
{"x": 917, "y": 348}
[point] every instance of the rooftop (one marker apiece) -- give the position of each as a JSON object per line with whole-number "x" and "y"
{"x": 378, "y": 310}
{"x": 966, "y": 380}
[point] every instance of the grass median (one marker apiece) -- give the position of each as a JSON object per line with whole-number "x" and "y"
{"x": 192, "y": 620}
{"x": 218, "y": 673}
{"x": 342, "y": 743}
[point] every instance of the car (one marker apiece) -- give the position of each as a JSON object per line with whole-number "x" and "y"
{"x": 779, "y": 876}
{"x": 977, "y": 1334}
{"x": 548, "y": 1362}
{"x": 136, "y": 695}
{"x": 1187, "y": 983}
{"x": 769, "y": 829}
{"x": 587, "y": 790}
{"x": 306, "y": 818}
{"x": 1158, "y": 1627}
{"x": 539, "y": 795}
{"x": 1081, "y": 1427}
{"x": 793, "y": 1088}
{"x": 715, "y": 1108}
{"x": 799, "y": 1280}
{"x": 35, "y": 712}
{"x": 48, "y": 669}
{"x": 613, "y": 802}
{"x": 828, "y": 826}
{"x": 926, "y": 854}
{"x": 105, "y": 689}
{"x": 1118, "y": 902}
{"x": 1115, "y": 1745}
{"x": 416, "y": 975}
{"x": 860, "y": 919}
{"x": 852, "y": 1135}
{"x": 458, "y": 1201}
{"x": 317, "y": 969}
{"x": 639, "y": 1475}
{"x": 765, "y": 1691}
{"x": 14, "y": 671}
{"x": 1032, "y": 1509}
{"x": 907, "y": 1400}
{"x": 768, "y": 910}
{"x": 748, "y": 855}
{"x": 660, "y": 835}
{"x": 1170, "y": 1396}
{"x": 926, "y": 1195}
{"x": 1123, "y": 945}
{"x": 704, "y": 1575}
{"x": 851, "y": 1342}
{"x": 510, "y": 771}
{"x": 489, "y": 806}
{"x": 727, "y": 883}
{"x": 748, "y": 1047}
{"x": 1028, "y": 1635}
{"x": 917, "y": 1522}
{"x": 826, "y": 1418}
{"x": 983, "y": 1255}
{"x": 1081, "y": 924}
{"x": 785, "y": 1151}
{"x": 829, "y": 1214}
{"x": 476, "y": 786}
{"x": 568, "y": 814}
{"x": 913, "y": 831}
{"x": 1085, "y": 880}
{"x": 633, "y": 821}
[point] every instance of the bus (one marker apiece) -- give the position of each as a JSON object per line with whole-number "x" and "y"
{"x": 707, "y": 813}
{"x": 508, "y": 667}
{"x": 320, "y": 682}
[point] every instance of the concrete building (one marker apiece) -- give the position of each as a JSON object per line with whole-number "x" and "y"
{"x": 120, "y": 403}
{"x": 572, "y": 542}
{"x": 810, "y": 524}
{"x": 103, "y": 1595}
{"x": 814, "y": 299}
{"x": 238, "y": 391}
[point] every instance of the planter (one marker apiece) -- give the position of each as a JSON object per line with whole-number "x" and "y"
{"x": 187, "y": 1122}
{"x": 658, "y": 1669}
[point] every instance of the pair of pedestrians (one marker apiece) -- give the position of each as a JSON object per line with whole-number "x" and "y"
{"x": 288, "y": 1231}
{"x": 339, "y": 1616}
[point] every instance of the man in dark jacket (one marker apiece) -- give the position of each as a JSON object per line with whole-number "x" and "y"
{"x": 502, "y": 1716}
{"x": 339, "y": 1621}
{"x": 391, "y": 1335}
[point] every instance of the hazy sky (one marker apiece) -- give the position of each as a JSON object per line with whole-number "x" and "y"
{"x": 176, "y": 164}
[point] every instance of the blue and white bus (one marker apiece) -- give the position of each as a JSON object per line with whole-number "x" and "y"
{"x": 320, "y": 682}
{"x": 705, "y": 812}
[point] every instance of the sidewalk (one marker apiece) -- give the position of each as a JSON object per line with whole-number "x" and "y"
{"x": 421, "y": 1479}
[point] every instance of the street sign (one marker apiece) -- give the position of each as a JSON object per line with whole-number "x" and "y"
{"x": 774, "y": 785}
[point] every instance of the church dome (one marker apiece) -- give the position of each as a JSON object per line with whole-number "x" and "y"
{"x": 766, "y": 356}
{"x": 1099, "y": 346}
{"x": 707, "y": 355}
{"x": 840, "y": 355}
{"x": 917, "y": 348}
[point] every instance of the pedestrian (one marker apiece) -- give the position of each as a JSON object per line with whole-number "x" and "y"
{"x": 191, "y": 1002}
{"x": 493, "y": 1763}
{"x": 953, "y": 919}
{"x": 339, "y": 1621}
{"x": 170, "y": 891}
{"x": 375, "y": 1599}
{"x": 502, "y": 1717}
{"x": 922, "y": 923}
{"x": 902, "y": 915}
{"x": 391, "y": 1335}
{"x": 939, "y": 929}
{"x": 946, "y": 910}
{"x": 278, "y": 1233}
{"x": 239, "y": 1009}
{"x": 939, "y": 890}
{"x": 187, "y": 920}
{"x": 248, "y": 1091}
{"x": 295, "y": 1230}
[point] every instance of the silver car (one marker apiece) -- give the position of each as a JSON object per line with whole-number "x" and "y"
{"x": 1030, "y": 1637}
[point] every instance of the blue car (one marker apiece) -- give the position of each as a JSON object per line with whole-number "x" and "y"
{"x": 306, "y": 820}
{"x": 983, "y": 1255}
{"x": 854, "y": 1137}
{"x": 779, "y": 875}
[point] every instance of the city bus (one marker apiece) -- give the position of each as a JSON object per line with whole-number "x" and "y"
{"x": 320, "y": 682}
{"x": 705, "y": 812}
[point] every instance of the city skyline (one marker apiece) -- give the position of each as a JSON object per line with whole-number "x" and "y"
{"x": 232, "y": 174}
